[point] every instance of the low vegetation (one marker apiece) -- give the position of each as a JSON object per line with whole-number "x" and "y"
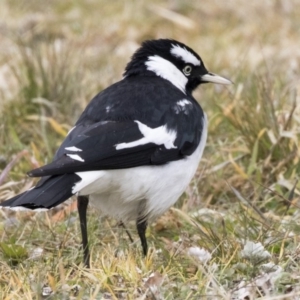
{"x": 235, "y": 232}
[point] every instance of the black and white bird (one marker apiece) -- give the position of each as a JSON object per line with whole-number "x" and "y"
{"x": 135, "y": 147}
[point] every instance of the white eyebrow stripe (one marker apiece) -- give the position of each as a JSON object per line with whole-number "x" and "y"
{"x": 185, "y": 55}
{"x": 159, "y": 136}
{"x": 165, "y": 69}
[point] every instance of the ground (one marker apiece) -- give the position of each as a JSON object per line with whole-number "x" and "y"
{"x": 234, "y": 234}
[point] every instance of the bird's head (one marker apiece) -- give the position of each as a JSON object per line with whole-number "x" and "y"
{"x": 172, "y": 61}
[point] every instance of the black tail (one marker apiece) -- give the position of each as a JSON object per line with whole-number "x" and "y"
{"x": 49, "y": 192}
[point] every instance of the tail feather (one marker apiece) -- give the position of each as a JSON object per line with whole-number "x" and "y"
{"x": 49, "y": 192}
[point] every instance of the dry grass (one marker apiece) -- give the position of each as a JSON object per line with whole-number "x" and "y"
{"x": 56, "y": 55}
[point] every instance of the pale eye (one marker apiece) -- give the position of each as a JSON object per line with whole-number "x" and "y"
{"x": 187, "y": 70}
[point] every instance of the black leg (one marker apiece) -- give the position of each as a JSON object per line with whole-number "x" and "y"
{"x": 141, "y": 226}
{"x": 121, "y": 224}
{"x": 82, "y": 204}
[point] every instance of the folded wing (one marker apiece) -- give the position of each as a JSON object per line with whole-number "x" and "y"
{"x": 114, "y": 145}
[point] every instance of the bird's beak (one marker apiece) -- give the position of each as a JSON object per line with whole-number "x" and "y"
{"x": 210, "y": 77}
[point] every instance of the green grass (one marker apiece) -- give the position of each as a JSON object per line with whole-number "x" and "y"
{"x": 56, "y": 55}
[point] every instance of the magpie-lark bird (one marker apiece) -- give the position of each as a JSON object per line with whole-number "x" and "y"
{"x": 135, "y": 147}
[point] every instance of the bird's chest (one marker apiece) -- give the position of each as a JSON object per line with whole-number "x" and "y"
{"x": 147, "y": 191}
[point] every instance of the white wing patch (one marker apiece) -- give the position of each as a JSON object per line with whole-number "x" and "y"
{"x": 183, "y": 102}
{"x": 73, "y": 149}
{"x": 159, "y": 136}
{"x": 185, "y": 55}
{"x": 183, "y": 105}
{"x": 165, "y": 69}
{"x": 71, "y": 130}
{"x": 75, "y": 157}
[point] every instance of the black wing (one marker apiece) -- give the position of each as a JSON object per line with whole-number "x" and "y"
{"x": 95, "y": 148}
{"x": 93, "y": 143}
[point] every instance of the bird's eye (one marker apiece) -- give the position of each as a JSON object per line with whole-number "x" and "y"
{"x": 187, "y": 70}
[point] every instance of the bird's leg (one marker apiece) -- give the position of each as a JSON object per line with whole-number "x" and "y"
{"x": 141, "y": 226}
{"x": 121, "y": 224}
{"x": 82, "y": 204}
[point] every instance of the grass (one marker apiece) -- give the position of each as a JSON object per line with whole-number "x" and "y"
{"x": 56, "y": 55}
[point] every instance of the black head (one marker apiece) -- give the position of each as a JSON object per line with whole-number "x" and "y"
{"x": 172, "y": 61}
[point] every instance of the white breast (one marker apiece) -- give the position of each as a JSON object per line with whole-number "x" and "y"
{"x": 153, "y": 189}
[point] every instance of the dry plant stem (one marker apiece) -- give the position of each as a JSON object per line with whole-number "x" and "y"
{"x": 5, "y": 172}
{"x": 121, "y": 224}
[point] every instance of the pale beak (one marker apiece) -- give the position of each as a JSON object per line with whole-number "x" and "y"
{"x": 210, "y": 77}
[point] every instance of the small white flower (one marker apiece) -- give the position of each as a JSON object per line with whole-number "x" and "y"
{"x": 46, "y": 291}
{"x": 207, "y": 213}
{"x": 273, "y": 271}
{"x": 154, "y": 282}
{"x": 255, "y": 252}
{"x": 36, "y": 253}
{"x": 264, "y": 282}
{"x": 271, "y": 268}
{"x": 203, "y": 255}
{"x": 267, "y": 280}
{"x": 243, "y": 291}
